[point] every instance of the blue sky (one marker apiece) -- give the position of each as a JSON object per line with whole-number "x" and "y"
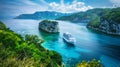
{"x": 16, "y": 7}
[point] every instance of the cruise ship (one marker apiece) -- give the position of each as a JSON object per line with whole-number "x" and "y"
{"x": 69, "y": 38}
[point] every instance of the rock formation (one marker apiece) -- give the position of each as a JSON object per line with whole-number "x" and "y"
{"x": 49, "y": 26}
{"x": 107, "y": 26}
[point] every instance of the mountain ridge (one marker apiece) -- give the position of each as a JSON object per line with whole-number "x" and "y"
{"x": 42, "y": 15}
{"x": 83, "y": 16}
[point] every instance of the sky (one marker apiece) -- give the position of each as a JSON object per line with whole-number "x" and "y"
{"x": 16, "y": 7}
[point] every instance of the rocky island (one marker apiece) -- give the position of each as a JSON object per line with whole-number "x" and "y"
{"x": 49, "y": 26}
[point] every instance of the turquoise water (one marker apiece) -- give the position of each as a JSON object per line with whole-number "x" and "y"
{"x": 89, "y": 44}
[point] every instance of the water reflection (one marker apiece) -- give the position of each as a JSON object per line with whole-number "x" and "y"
{"x": 49, "y": 37}
{"x": 68, "y": 44}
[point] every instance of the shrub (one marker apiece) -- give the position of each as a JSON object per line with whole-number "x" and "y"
{"x": 92, "y": 63}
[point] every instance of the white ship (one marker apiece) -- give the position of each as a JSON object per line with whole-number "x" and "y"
{"x": 69, "y": 38}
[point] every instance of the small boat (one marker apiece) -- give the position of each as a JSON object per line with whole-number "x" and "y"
{"x": 69, "y": 38}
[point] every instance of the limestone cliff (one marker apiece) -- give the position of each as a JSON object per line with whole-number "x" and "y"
{"x": 107, "y": 26}
{"x": 108, "y": 22}
{"x": 49, "y": 26}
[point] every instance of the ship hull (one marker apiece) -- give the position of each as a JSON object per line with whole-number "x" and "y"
{"x": 68, "y": 42}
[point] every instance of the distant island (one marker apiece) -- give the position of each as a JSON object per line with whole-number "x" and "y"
{"x": 42, "y": 15}
{"x": 49, "y": 26}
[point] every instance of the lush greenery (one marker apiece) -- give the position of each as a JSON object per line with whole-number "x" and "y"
{"x": 48, "y": 21}
{"x": 113, "y": 14}
{"x": 92, "y": 63}
{"x": 93, "y": 16}
{"x": 2, "y": 26}
{"x": 95, "y": 22}
{"x": 87, "y": 15}
{"x": 16, "y": 51}
{"x": 107, "y": 14}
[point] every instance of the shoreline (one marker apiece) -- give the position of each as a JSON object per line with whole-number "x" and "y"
{"x": 103, "y": 31}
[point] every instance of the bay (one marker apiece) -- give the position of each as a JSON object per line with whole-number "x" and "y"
{"x": 89, "y": 45}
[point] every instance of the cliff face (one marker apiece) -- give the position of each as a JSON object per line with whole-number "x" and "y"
{"x": 109, "y": 22}
{"x": 107, "y": 26}
{"x": 110, "y": 27}
{"x": 49, "y": 26}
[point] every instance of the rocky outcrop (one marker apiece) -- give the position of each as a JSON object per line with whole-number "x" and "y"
{"x": 108, "y": 26}
{"x": 49, "y": 26}
{"x": 109, "y": 22}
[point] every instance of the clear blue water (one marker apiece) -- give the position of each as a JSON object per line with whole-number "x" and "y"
{"x": 89, "y": 44}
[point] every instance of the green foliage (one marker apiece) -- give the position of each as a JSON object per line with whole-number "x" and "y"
{"x": 107, "y": 14}
{"x": 114, "y": 15}
{"x": 2, "y": 26}
{"x": 9, "y": 38}
{"x": 95, "y": 22}
{"x": 14, "y": 62}
{"x": 27, "y": 51}
{"x": 92, "y": 63}
{"x": 33, "y": 39}
{"x": 48, "y": 21}
{"x": 54, "y": 56}
{"x": 78, "y": 16}
{"x": 87, "y": 15}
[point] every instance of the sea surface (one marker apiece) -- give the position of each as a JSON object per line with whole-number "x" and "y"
{"x": 90, "y": 44}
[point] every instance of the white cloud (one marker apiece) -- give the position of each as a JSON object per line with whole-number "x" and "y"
{"x": 73, "y": 7}
{"x": 28, "y": 6}
{"x": 115, "y": 3}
